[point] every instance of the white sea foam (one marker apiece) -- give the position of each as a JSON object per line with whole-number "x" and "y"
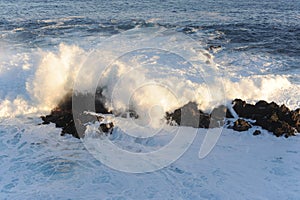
{"x": 37, "y": 163}
{"x": 149, "y": 81}
{"x": 54, "y": 77}
{"x": 16, "y": 107}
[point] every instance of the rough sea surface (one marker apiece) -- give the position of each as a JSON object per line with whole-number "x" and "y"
{"x": 256, "y": 46}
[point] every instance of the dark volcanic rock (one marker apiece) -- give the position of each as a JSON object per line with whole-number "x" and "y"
{"x": 63, "y": 116}
{"x": 212, "y": 47}
{"x": 218, "y": 116}
{"x": 221, "y": 112}
{"x": 243, "y": 109}
{"x": 257, "y": 132}
{"x": 190, "y": 115}
{"x": 295, "y": 118}
{"x": 277, "y": 119}
{"x": 285, "y": 129}
{"x": 241, "y": 125}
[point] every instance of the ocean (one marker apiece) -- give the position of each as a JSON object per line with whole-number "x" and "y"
{"x": 152, "y": 56}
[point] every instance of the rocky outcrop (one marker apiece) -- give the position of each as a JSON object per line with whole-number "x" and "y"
{"x": 279, "y": 120}
{"x": 190, "y": 115}
{"x": 62, "y": 115}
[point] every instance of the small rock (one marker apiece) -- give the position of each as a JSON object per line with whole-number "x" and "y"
{"x": 213, "y": 47}
{"x": 241, "y": 125}
{"x": 257, "y": 132}
{"x": 106, "y": 127}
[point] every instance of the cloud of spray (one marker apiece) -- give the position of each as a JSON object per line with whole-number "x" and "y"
{"x": 54, "y": 77}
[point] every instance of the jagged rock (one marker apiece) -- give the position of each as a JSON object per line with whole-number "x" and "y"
{"x": 264, "y": 109}
{"x": 285, "y": 130}
{"x": 243, "y": 109}
{"x": 277, "y": 119}
{"x": 241, "y": 125}
{"x": 221, "y": 112}
{"x": 188, "y": 115}
{"x": 63, "y": 117}
{"x": 257, "y": 132}
{"x": 204, "y": 121}
{"x": 295, "y": 116}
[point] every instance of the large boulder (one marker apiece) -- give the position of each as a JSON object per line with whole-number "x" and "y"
{"x": 243, "y": 109}
{"x": 190, "y": 115}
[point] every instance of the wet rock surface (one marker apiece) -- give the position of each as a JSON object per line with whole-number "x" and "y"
{"x": 256, "y": 132}
{"x": 63, "y": 115}
{"x": 279, "y": 120}
{"x": 190, "y": 115}
{"x": 241, "y": 125}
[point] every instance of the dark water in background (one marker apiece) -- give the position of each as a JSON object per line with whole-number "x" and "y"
{"x": 269, "y": 31}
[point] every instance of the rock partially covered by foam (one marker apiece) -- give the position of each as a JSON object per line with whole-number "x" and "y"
{"x": 279, "y": 120}
{"x": 190, "y": 115}
{"x": 106, "y": 127}
{"x": 62, "y": 115}
{"x": 241, "y": 125}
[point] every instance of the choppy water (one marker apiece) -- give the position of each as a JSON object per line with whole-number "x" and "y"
{"x": 259, "y": 51}
{"x": 266, "y": 30}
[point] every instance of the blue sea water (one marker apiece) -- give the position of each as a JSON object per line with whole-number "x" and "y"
{"x": 246, "y": 39}
{"x": 269, "y": 30}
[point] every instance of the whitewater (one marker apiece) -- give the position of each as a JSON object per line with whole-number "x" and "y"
{"x": 152, "y": 57}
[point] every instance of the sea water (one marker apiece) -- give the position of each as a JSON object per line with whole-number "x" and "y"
{"x": 255, "y": 46}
